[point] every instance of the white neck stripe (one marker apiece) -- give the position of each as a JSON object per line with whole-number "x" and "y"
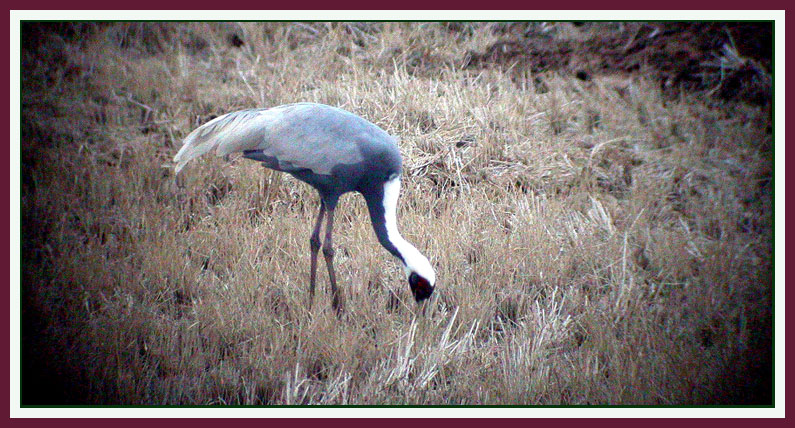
{"x": 413, "y": 260}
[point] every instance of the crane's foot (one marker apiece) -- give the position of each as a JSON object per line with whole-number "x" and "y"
{"x": 336, "y": 303}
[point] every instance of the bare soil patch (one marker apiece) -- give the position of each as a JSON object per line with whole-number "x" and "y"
{"x": 732, "y": 59}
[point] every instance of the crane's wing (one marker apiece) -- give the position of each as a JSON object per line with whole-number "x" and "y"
{"x": 287, "y": 138}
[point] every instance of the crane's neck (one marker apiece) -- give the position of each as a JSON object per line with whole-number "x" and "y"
{"x": 383, "y": 213}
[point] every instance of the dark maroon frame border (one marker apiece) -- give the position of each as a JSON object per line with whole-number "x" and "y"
{"x": 363, "y": 5}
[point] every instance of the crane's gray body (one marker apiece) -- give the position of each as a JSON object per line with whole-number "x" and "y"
{"x": 333, "y": 150}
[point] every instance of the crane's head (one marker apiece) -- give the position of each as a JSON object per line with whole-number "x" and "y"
{"x": 421, "y": 277}
{"x": 421, "y": 288}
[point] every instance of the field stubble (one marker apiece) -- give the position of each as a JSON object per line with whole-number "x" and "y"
{"x": 596, "y": 241}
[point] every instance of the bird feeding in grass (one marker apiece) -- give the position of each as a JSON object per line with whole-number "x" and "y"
{"x": 335, "y": 152}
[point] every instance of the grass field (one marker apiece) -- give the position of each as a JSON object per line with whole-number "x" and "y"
{"x": 599, "y": 239}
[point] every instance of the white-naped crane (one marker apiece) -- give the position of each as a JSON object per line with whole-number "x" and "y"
{"x": 335, "y": 152}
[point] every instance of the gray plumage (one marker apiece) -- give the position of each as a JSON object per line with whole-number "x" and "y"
{"x": 299, "y": 136}
{"x": 333, "y": 150}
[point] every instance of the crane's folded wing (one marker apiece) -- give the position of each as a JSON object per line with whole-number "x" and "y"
{"x": 294, "y": 136}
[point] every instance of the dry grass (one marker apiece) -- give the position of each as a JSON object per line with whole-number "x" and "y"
{"x": 595, "y": 242}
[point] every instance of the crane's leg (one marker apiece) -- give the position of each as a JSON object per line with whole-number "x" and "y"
{"x": 314, "y": 247}
{"x": 328, "y": 254}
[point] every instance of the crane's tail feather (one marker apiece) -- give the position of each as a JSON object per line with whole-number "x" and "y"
{"x": 190, "y": 151}
{"x": 233, "y": 132}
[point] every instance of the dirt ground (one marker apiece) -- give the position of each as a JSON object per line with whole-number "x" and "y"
{"x": 732, "y": 59}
